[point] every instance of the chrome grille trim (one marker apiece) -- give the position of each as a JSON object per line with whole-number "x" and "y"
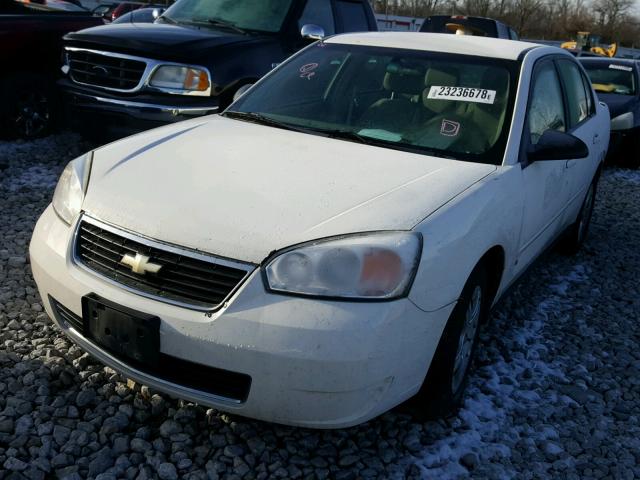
{"x": 77, "y": 259}
{"x": 143, "y": 84}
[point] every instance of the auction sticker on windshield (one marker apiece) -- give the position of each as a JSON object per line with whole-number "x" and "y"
{"x": 462, "y": 94}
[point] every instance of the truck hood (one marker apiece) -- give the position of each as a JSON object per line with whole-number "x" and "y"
{"x": 618, "y": 104}
{"x": 161, "y": 41}
{"x": 241, "y": 190}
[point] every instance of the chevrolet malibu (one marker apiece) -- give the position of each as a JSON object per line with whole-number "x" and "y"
{"x": 329, "y": 246}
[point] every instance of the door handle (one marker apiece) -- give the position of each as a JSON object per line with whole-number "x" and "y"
{"x": 571, "y": 163}
{"x": 596, "y": 139}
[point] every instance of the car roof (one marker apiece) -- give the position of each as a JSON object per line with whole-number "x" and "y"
{"x": 439, "y": 42}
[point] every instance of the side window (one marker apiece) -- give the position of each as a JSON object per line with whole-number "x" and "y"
{"x": 589, "y": 91}
{"x": 513, "y": 35}
{"x": 546, "y": 107}
{"x": 353, "y": 15}
{"x": 318, "y": 12}
{"x": 576, "y": 94}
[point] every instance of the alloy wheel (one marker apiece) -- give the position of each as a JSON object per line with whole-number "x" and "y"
{"x": 467, "y": 338}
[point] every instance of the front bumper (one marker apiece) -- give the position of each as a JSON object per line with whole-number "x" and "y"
{"x": 120, "y": 114}
{"x": 312, "y": 363}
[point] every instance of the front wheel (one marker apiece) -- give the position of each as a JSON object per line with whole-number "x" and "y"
{"x": 446, "y": 379}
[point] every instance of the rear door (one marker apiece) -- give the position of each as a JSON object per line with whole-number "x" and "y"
{"x": 582, "y": 123}
{"x": 543, "y": 182}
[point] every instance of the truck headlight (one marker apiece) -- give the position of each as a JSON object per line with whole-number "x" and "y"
{"x": 622, "y": 122}
{"x": 180, "y": 79}
{"x": 71, "y": 188}
{"x": 371, "y": 266}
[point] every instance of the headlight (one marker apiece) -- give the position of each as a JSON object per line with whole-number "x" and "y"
{"x": 375, "y": 266}
{"x": 71, "y": 188}
{"x": 622, "y": 122}
{"x": 180, "y": 79}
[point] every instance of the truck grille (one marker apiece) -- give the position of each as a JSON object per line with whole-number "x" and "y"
{"x": 102, "y": 70}
{"x": 185, "y": 278}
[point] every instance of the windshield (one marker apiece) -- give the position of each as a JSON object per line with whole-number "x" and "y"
{"x": 612, "y": 78}
{"x": 452, "y": 106}
{"x": 259, "y": 15}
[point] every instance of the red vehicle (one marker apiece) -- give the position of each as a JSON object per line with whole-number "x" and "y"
{"x": 27, "y": 86}
{"x": 126, "y": 7}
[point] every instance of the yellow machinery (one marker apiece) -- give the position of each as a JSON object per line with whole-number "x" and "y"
{"x": 588, "y": 42}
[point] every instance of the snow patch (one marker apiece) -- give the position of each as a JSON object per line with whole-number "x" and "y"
{"x": 497, "y": 395}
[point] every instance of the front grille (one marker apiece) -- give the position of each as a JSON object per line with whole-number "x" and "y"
{"x": 66, "y": 315}
{"x": 215, "y": 381}
{"x": 184, "y": 277}
{"x": 106, "y": 71}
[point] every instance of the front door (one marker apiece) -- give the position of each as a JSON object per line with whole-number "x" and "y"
{"x": 543, "y": 183}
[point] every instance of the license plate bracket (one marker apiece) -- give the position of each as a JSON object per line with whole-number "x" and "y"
{"x": 121, "y": 330}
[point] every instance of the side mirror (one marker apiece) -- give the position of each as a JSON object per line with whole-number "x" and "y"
{"x": 156, "y": 13}
{"x": 312, "y": 32}
{"x": 554, "y": 145}
{"x": 241, "y": 91}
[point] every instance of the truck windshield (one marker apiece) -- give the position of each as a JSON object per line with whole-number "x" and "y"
{"x": 446, "y": 105}
{"x": 611, "y": 78}
{"x": 258, "y": 15}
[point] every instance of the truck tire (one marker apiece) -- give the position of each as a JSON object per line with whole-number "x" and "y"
{"x": 27, "y": 106}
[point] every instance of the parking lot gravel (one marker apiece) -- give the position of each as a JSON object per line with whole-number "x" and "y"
{"x": 555, "y": 390}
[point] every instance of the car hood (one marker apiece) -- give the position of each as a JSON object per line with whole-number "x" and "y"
{"x": 241, "y": 190}
{"x": 618, "y": 104}
{"x": 162, "y": 41}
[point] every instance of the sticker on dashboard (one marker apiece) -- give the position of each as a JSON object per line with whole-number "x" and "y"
{"x": 462, "y": 94}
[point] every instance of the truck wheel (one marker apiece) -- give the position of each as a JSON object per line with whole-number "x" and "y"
{"x": 27, "y": 106}
{"x": 444, "y": 385}
{"x": 577, "y": 233}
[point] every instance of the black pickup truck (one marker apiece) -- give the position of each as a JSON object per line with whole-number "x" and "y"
{"x": 192, "y": 59}
{"x": 30, "y": 52}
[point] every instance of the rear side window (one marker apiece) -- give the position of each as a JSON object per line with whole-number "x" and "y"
{"x": 589, "y": 91}
{"x": 353, "y": 15}
{"x": 576, "y": 94}
{"x": 318, "y": 12}
{"x": 546, "y": 107}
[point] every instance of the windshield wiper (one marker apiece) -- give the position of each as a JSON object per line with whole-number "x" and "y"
{"x": 400, "y": 144}
{"x": 264, "y": 120}
{"x": 218, "y": 22}
{"x": 164, "y": 18}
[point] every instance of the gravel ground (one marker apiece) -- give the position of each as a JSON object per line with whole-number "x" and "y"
{"x": 555, "y": 392}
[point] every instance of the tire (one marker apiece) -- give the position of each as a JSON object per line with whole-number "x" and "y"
{"x": 27, "y": 106}
{"x": 577, "y": 233}
{"x": 443, "y": 388}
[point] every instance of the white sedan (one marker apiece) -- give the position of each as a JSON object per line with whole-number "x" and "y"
{"x": 329, "y": 246}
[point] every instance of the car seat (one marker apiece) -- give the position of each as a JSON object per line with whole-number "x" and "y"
{"x": 395, "y": 113}
{"x": 450, "y": 124}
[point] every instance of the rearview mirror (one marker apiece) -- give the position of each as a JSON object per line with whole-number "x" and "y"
{"x": 241, "y": 91}
{"x": 554, "y": 145}
{"x": 312, "y": 32}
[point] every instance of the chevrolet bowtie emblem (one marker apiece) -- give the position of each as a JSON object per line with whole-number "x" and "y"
{"x": 140, "y": 264}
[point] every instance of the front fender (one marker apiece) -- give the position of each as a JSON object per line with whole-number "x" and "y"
{"x": 457, "y": 236}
